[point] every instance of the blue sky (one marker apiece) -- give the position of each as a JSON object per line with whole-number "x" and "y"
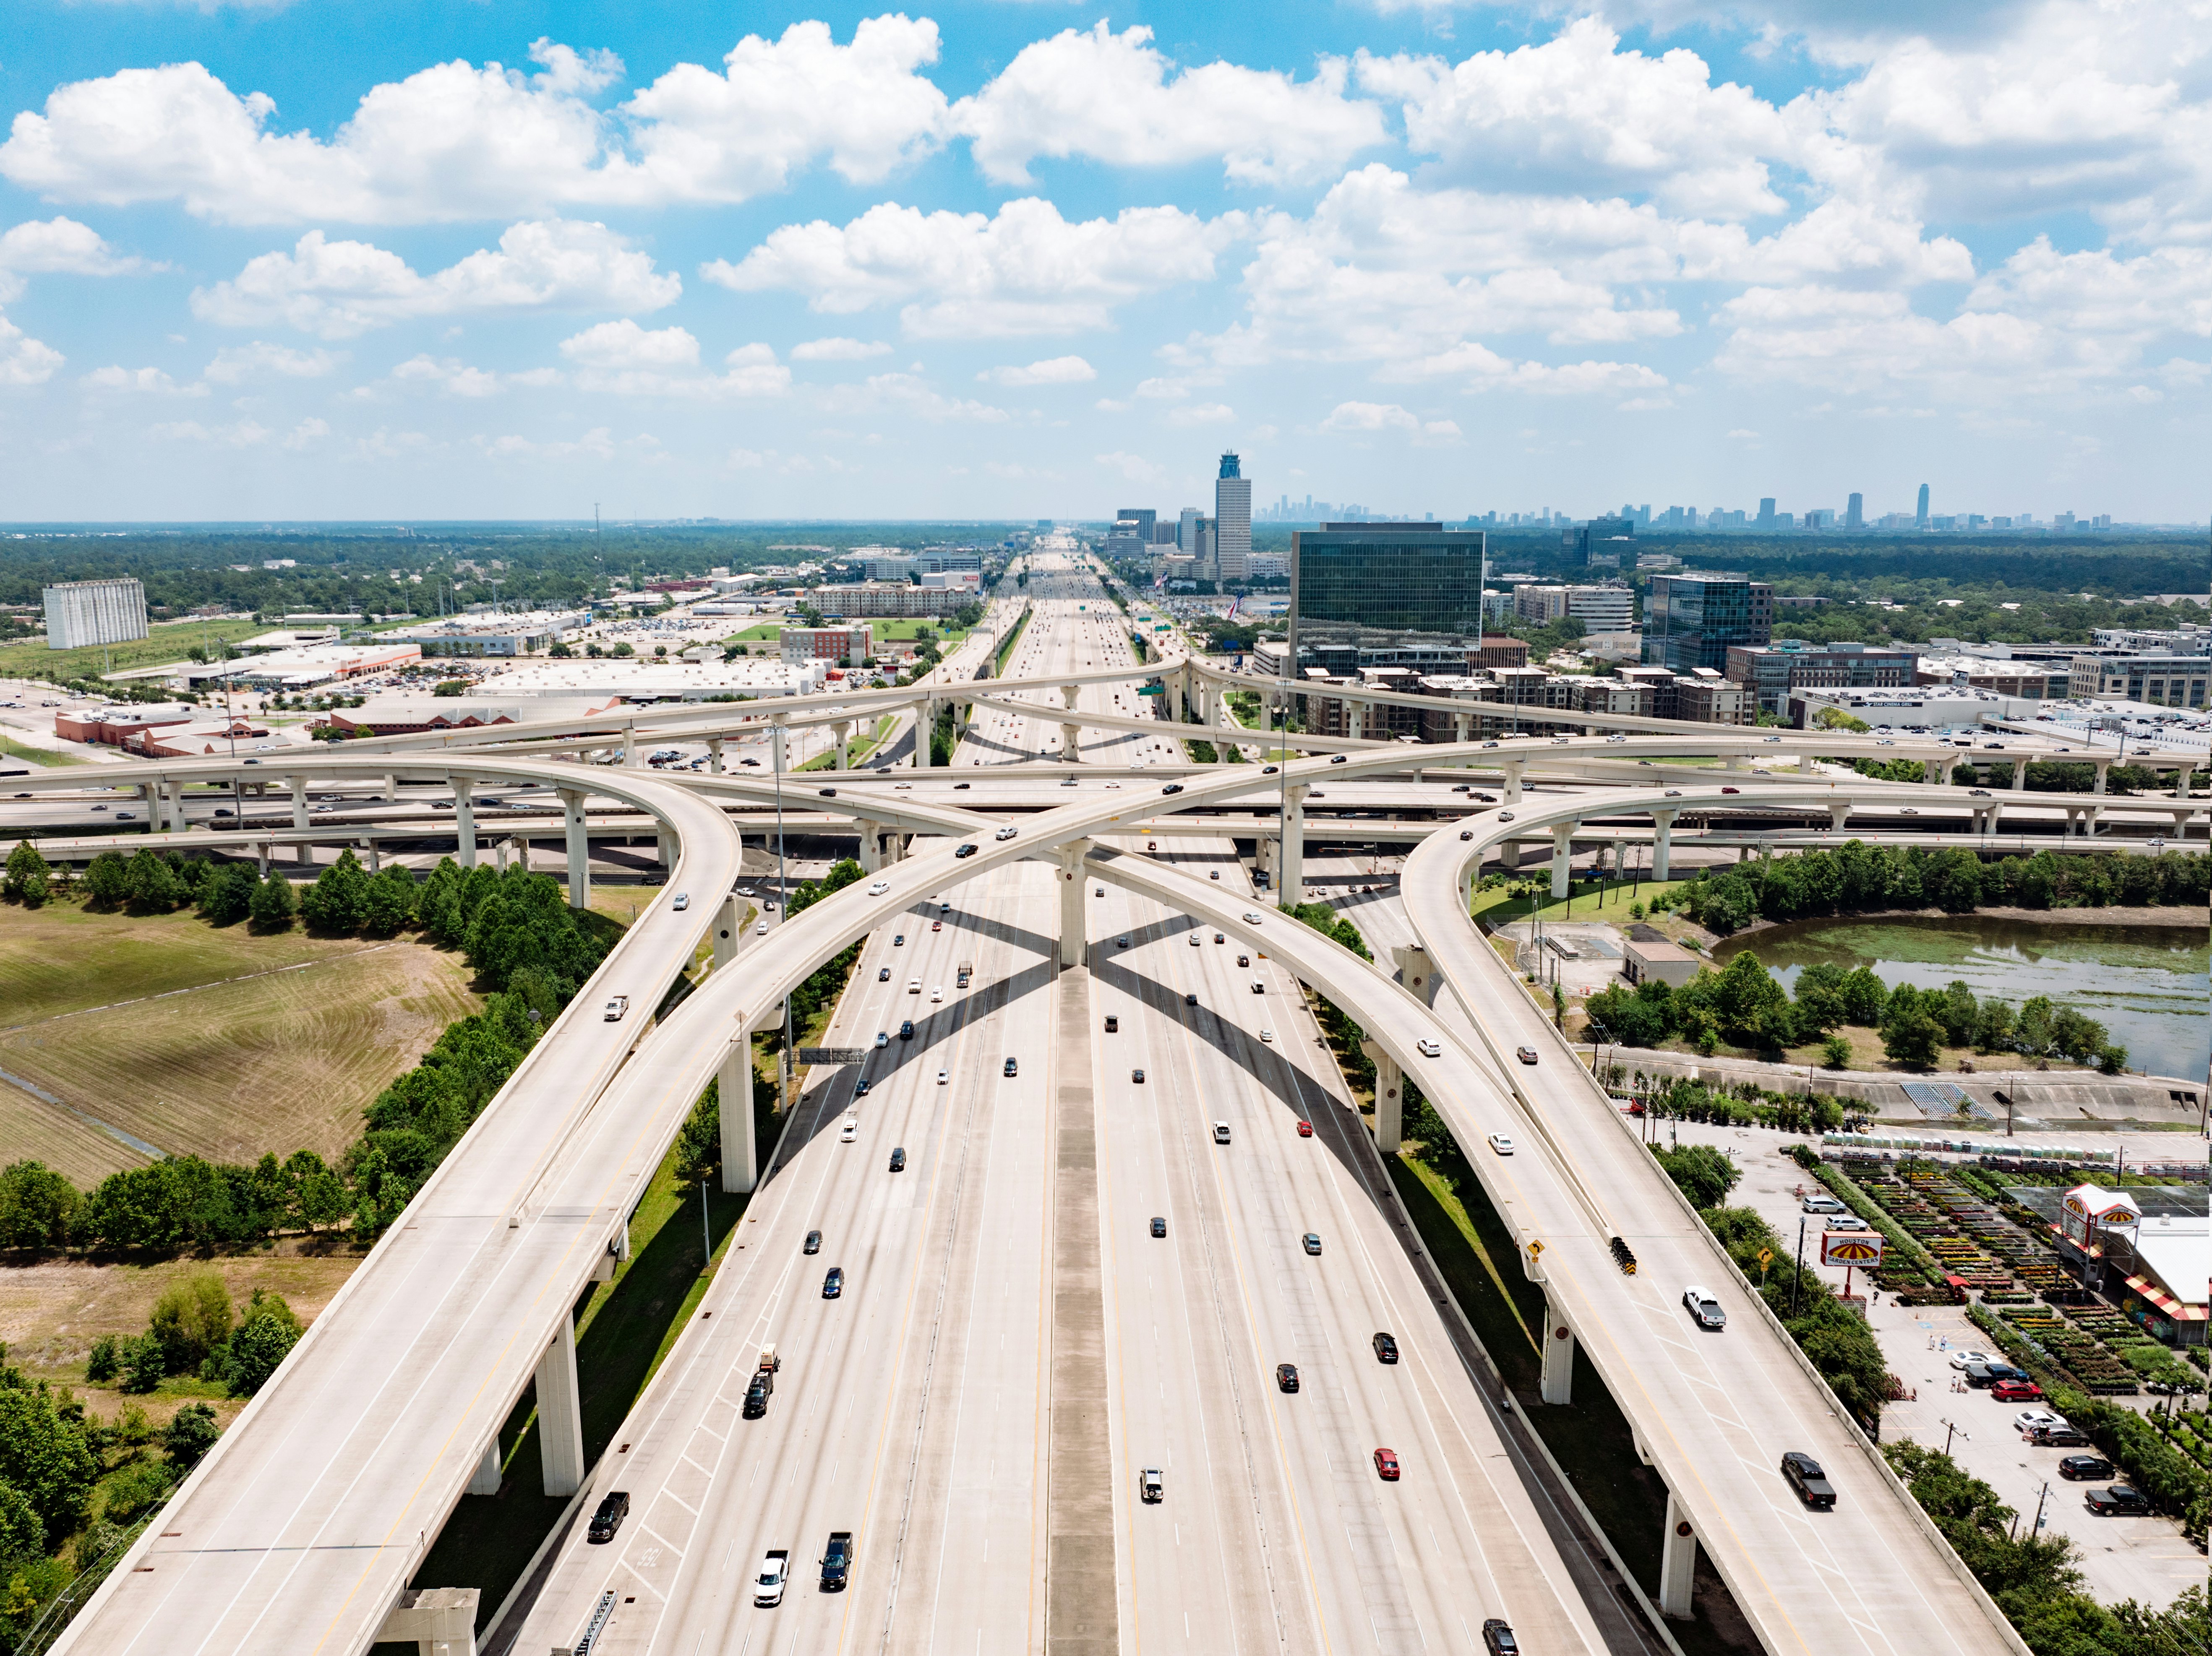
{"x": 351, "y": 260}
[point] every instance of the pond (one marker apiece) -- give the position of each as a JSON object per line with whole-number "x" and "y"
{"x": 2145, "y": 984}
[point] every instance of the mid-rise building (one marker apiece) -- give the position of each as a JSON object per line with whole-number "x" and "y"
{"x": 1692, "y": 620}
{"x": 885, "y": 598}
{"x": 492, "y": 635}
{"x": 1601, "y": 541}
{"x": 1702, "y": 697}
{"x": 2165, "y": 680}
{"x": 2186, "y": 639}
{"x": 1415, "y": 577}
{"x": 83, "y": 612}
{"x": 1493, "y": 651}
{"x": 1771, "y": 671}
{"x": 1144, "y": 519}
{"x": 837, "y": 646}
{"x": 1185, "y": 538}
{"x": 1232, "y": 521}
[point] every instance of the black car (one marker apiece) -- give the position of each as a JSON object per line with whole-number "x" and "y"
{"x": 863, "y": 1087}
{"x": 1113, "y": 1023}
{"x": 1137, "y": 1075}
{"x": 1337, "y": 760}
{"x": 1159, "y": 1226}
{"x": 1385, "y": 1349}
{"x": 829, "y": 793}
{"x": 1805, "y": 1476}
{"x": 607, "y": 1518}
{"x": 906, "y": 1028}
{"x": 1172, "y": 787}
{"x": 813, "y": 1243}
{"x": 2077, "y": 1467}
{"x": 956, "y": 786}
{"x": 883, "y": 974}
{"x": 965, "y": 850}
{"x": 1012, "y": 1068}
{"x": 1286, "y": 1377}
{"x": 1978, "y": 1375}
{"x": 832, "y": 1285}
{"x": 2117, "y": 1498}
{"x": 1498, "y": 1639}
{"x": 1190, "y": 998}
{"x": 756, "y": 1395}
{"x": 898, "y": 1158}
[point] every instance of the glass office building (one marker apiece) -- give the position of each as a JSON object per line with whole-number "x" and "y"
{"x": 1413, "y": 577}
{"x": 1690, "y": 620}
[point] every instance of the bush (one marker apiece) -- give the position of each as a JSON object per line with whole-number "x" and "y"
{"x": 265, "y": 1336}
{"x": 192, "y": 1433}
{"x": 1702, "y": 1173}
{"x": 192, "y": 1320}
{"x": 272, "y": 904}
{"x": 102, "y": 1365}
{"x": 132, "y": 1492}
{"x": 36, "y": 1206}
{"x": 145, "y": 1365}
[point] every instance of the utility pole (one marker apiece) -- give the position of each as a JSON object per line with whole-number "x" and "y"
{"x": 1797, "y": 1280}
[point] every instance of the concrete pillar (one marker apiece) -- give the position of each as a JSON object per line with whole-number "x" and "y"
{"x": 1662, "y": 841}
{"x": 840, "y": 735}
{"x": 925, "y": 723}
{"x": 464, "y": 822}
{"x": 630, "y": 746}
{"x": 485, "y": 1480}
{"x": 1355, "y": 719}
{"x": 1805, "y": 762}
{"x": 872, "y": 847}
{"x": 2091, "y": 815}
{"x": 1290, "y": 878}
{"x": 1932, "y": 771}
{"x": 729, "y": 930}
{"x": 391, "y": 789}
{"x": 1459, "y": 727}
{"x": 561, "y": 1414}
{"x": 262, "y": 852}
{"x": 375, "y": 855}
{"x": 1074, "y": 926}
{"x": 299, "y": 787}
{"x": 733, "y": 1081}
{"x": 436, "y": 1621}
{"x": 665, "y": 848}
{"x": 1513, "y": 767}
{"x": 2104, "y": 769}
{"x": 1839, "y": 812}
{"x": 1416, "y": 972}
{"x": 715, "y": 755}
{"x": 1563, "y": 846}
{"x": 1071, "y": 743}
{"x": 1678, "y": 1562}
{"x": 579, "y": 850}
{"x": 2020, "y": 776}
{"x": 1558, "y": 1379}
{"x": 2181, "y": 823}
{"x": 1389, "y": 1099}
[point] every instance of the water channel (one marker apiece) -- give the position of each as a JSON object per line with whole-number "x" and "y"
{"x": 2147, "y": 985}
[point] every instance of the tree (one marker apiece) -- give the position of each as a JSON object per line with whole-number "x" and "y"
{"x": 339, "y": 897}
{"x": 36, "y": 1206}
{"x": 1864, "y": 997}
{"x": 227, "y": 896}
{"x": 268, "y": 1332}
{"x": 1836, "y": 1053}
{"x": 43, "y": 1455}
{"x": 1910, "y": 1036}
{"x": 1704, "y": 1176}
{"x": 388, "y": 902}
{"x": 192, "y": 1433}
{"x": 150, "y": 885}
{"x": 21, "y": 1535}
{"x": 1835, "y": 718}
{"x": 272, "y": 904}
{"x": 699, "y": 1141}
{"x": 105, "y": 884}
{"x": 191, "y": 1321}
{"x": 27, "y": 877}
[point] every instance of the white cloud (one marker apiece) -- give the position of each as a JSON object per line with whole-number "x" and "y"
{"x": 914, "y": 395}
{"x": 234, "y": 364}
{"x": 64, "y": 247}
{"x": 1053, "y": 371}
{"x": 1200, "y": 413}
{"x": 243, "y": 433}
{"x": 1389, "y": 417}
{"x": 629, "y": 360}
{"x": 25, "y": 361}
{"x": 1576, "y": 114}
{"x": 450, "y": 374}
{"x": 1133, "y": 468}
{"x": 838, "y": 350}
{"x": 147, "y": 381}
{"x": 305, "y": 436}
{"x": 1026, "y": 271}
{"x": 1107, "y": 98}
{"x": 457, "y": 142}
{"x": 340, "y": 288}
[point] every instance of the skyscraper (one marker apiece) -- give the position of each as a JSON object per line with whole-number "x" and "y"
{"x": 1855, "y": 513}
{"x": 1143, "y": 517}
{"x": 1404, "y": 577}
{"x": 1920, "y": 518}
{"x": 1232, "y": 522}
{"x": 1186, "y": 531}
{"x": 1767, "y": 511}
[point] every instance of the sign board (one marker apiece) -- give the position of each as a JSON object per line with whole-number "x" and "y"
{"x": 833, "y": 1055}
{"x": 1152, "y": 689}
{"x": 1850, "y": 1248}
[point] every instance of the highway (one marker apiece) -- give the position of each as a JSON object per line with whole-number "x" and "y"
{"x": 297, "y": 1534}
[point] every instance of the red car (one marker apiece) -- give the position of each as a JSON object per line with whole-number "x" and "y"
{"x": 1386, "y": 1465}
{"x": 2016, "y": 1391}
{"x": 937, "y": 925}
{"x": 1305, "y": 1129}
{"x": 1731, "y": 790}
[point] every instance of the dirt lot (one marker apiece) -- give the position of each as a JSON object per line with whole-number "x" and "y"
{"x": 188, "y": 1037}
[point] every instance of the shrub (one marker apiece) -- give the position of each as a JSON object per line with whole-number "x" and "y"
{"x": 102, "y": 1365}
{"x": 272, "y": 904}
{"x": 137, "y": 1486}
{"x": 265, "y": 1336}
{"x": 1703, "y": 1175}
{"x": 192, "y": 1433}
{"x": 192, "y": 1320}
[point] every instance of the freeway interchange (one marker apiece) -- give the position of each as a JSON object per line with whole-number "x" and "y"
{"x": 1013, "y": 1346}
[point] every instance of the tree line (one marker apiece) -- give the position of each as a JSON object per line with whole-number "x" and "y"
{"x": 528, "y": 950}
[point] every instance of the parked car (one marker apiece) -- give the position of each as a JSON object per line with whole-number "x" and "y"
{"x": 2013, "y": 1391}
{"x": 1820, "y": 1204}
{"x": 1803, "y": 1474}
{"x": 2122, "y": 1499}
{"x": 2075, "y": 1468}
{"x": 608, "y": 1516}
{"x": 1960, "y": 1359}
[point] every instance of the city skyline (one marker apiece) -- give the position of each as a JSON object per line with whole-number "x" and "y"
{"x": 301, "y": 262}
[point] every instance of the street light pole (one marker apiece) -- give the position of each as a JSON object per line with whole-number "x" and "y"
{"x": 1797, "y": 1279}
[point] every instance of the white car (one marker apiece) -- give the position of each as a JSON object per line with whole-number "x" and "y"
{"x": 883, "y": 1038}
{"x": 850, "y": 1130}
{"x": 1704, "y": 1308}
{"x": 943, "y": 1077}
{"x": 616, "y": 1008}
{"x": 1501, "y": 1143}
{"x": 1268, "y": 1034}
{"x": 774, "y": 1572}
{"x": 880, "y": 888}
{"x": 913, "y": 985}
{"x": 1846, "y": 1222}
{"x": 2028, "y": 1422}
{"x": 1960, "y": 1359}
{"x": 937, "y": 992}
{"x": 1429, "y": 1049}
{"x": 1009, "y": 833}
{"x": 1251, "y": 917}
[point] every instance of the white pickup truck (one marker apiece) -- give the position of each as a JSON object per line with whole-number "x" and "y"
{"x": 615, "y": 1007}
{"x": 774, "y": 1572}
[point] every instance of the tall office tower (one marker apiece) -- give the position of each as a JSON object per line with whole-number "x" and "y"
{"x": 1920, "y": 518}
{"x": 1767, "y": 511}
{"x": 1144, "y": 518}
{"x": 1232, "y": 522}
{"x": 1690, "y": 620}
{"x": 1407, "y": 576}
{"x": 82, "y": 612}
{"x": 1855, "y": 513}
{"x": 1186, "y": 531}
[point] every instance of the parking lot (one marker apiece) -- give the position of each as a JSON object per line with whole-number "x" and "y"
{"x": 2145, "y": 1558}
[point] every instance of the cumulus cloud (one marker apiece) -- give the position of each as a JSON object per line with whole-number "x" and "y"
{"x": 914, "y": 394}
{"x": 145, "y": 381}
{"x": 629, "y": 360}
{"x": 25, "y": 361}
{"x": 336, "y": 289}
{"x": 1388, "y": 417}
{"x": 1023, "y": 271}
{"x": 235, "y": 364}
{"x": 457, "y": 142}
{"x": 1053, "y": 371}
{"x": 838, "y": 350}
{"x": 1133, "y": 468}
{"x": 1107, "y": 98}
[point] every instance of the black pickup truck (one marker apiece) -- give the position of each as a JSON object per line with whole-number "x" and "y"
{"x": 837, "y": 1561}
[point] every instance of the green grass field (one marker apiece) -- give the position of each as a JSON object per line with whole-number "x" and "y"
{"x": 1586, "y": 900}
{"x": 195, "y": 1039}
{"x": 11, "y": 749}
{"x": 883, "y": 629}
{"x": 170, "y": 642}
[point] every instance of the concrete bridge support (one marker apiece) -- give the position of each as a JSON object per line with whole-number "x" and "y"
{"x": 840, "y": 735}
{"x": 375, "y": 855}
{"x": 464, "y": 820}
{"x": 1678, "y": 1562}
{"x": 1389, "y": 1099}
{"x": 872, "y": 847}
{"x": 1932, "y": 772}
{"x": 1563, "y": 849}
{"x": 262, "y": 858}
{"x": 2104, "y": 770}
{"x": 560, "y": 1415}
{"x": 1513, "y": 768}
{"x": 733, "y": 1085}
{"x": 1558, "y": 1377}
{"x": 2020, "y": 776}
{"x": 1662, "y": 841}
{"x": 436, "y": 1621}
{"x": 1072, "y": 923}
{"x": 629, "y": 747}
{"x": 579, "y": 849}
{"x": 729, "y": 930}
{"x": 924, "y": 727}
{"x": 1291, "y": 877}
{"x": 486, "y": 1477}
{"x": 1416, "y": 972}
{"x": 1840, "y": 813}
{"x": 665, "y": 849}
{"x": 302, "y": 854}
{"x": 715, "y": 755}
{"x": 779, "y": 746}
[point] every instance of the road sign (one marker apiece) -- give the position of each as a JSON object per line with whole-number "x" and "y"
{"x": 1536, "y": 1245}
{"x": 1152, "y": 689}
{"x": 833, "y": 1055}
{"x": 1850, "y": 1248}
{"x": 1766, "y": 1257}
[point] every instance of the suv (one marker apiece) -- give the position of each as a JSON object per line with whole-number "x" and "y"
{"x": 2016, "y": 1391}
{"x": 1498, "y": 1638}
{"x": 1011, "y": 1068}
{"x": 1804, "y": 1475}
{"x": 757, "y": 1394}
{"x": 2075, "y": 1468}
{"x": 608, "y": 1518}
{"x": 1822, "y": 1204}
